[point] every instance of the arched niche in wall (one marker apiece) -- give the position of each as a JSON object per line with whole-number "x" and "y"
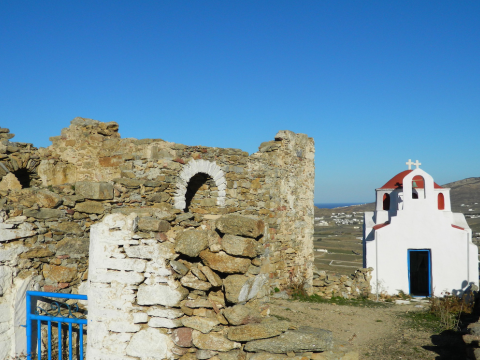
{"x": 24, "y": 176}
{"x": 441, "y": 201}
{"x": 193, "y": 176}
{"x": 25, "y": 172}
{"x": 386, "y": 202}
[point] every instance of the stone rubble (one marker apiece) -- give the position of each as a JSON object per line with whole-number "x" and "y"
{"x": 354, "y": 286}
{"x": 207, "y": 313}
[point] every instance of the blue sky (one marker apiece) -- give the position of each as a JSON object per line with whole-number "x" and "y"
{"x": 373, "y": 82}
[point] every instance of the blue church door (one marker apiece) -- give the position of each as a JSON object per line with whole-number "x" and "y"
{"x": 419, "y": 272}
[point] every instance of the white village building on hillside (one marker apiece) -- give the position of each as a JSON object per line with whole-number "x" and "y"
{"x": 414, "y": 242}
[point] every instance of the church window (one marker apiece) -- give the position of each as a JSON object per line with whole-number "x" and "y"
{"x": 441, "y": 202}
{"x": 386, "y": 202}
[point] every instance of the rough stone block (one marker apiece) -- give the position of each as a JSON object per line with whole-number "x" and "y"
{"x": 90, "y": 207}
{"x": 140, "y": 318}
{"x": 10, "y": 182}
{"x": 57, "y": 174}
{"x": 191, "y": 281}
{"x": 225, "y": 263}
{"x": 240, "y": 246}
{"x": 198, "y": 303}
{"x": 66, "y": 227}
{"x": 217, "y": 297}
{"x": 164, "y": 312}
{"x": 150, "y": 343}
{"x": 94, "y": 190}
{"x": 47, "y": 199}
{"x": 152, "y": 224}
{"x": 59, "y": 273}
{"x": 301, "y": 340}
{"x": 159, "y": 197}
{"x": 37, "y": 253}
{"x": 268, "y": 356}
{"x": 269, "y": 146}
{"x": 211, "y": 276}
{"x": 191, "y": 242}
{"x": 44, "y": 213}
{"x": 182, "y": 337}
{"x": 7, "y": 232}
{"x": 178, "y": 267}
{"x": 75, "y": 247}
{"x": 164, "y": 323}
{"x": 160, "y": 295}
{"x": 240, "y": 225}
{"x": 233, "y": 286}
{"x": 156, "y": 251}
{"x": 205, "y": 325}
{"x": 129, "y": 183}
{"x": 206, "y": 354}
{"x": 241, "y": 315}
{"x": 213, "y": 341}
{"x": 268, "y": 328}
{"x": 236, "y": 354}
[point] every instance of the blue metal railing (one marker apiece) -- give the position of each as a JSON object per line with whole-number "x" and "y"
{"x": 54, "y": 314}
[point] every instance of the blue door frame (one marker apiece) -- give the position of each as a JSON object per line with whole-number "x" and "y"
{"x": 410, "y": 251}
{"x": 36, "y": 316}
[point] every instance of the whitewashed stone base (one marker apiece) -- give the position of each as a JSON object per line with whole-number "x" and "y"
{"x": 116, "y": 286}
{"x": 13, "y": 313}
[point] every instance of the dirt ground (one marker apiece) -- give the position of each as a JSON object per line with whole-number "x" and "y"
{"x": 376, "y": 333}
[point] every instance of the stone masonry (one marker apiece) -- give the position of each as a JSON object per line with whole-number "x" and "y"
{"x": 355, "y": 286}
{"x": 201, "y": 297}
{"x": 204, "y": 229}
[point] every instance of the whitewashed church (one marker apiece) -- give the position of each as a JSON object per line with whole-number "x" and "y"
{"x": 414, "y": 242}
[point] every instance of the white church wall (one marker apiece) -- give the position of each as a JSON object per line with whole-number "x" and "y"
{"x": 415, "y": 226}
{"x": 448, "y": 263}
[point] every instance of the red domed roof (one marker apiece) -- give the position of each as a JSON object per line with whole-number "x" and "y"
{"x": 397, "y": 181}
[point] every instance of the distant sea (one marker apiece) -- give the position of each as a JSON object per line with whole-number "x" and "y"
{"x": 335, "y": 205}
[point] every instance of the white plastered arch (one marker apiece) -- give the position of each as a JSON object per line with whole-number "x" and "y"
{"x": 200, "y": 166}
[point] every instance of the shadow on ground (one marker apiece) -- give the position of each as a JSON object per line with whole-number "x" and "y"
{"x": 449, "y": 344}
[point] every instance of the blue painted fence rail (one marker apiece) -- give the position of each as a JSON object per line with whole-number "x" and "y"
{"x": 34, "y": 318}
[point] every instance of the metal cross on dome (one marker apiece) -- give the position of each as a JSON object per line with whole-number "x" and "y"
{"x": 409, "y": 163}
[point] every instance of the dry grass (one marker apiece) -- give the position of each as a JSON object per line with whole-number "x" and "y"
{"x": 450, "y": 308}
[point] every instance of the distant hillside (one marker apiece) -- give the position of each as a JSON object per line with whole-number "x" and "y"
{"x": 466, "y": 191}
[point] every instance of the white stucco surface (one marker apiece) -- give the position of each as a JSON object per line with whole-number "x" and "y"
{"x": 418, "y": 224}
{"x": 13, "y": 313}
{"x": 13, "y": 287}
{"x": 118, "y": 264}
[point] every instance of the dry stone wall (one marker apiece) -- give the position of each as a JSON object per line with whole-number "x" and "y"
{"x": 199, "y": 297}
{"x": 357, "y": 285}
{"x": 51, "y": 198}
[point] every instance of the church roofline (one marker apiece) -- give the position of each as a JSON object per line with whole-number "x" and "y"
{"x": 396, "y": 182}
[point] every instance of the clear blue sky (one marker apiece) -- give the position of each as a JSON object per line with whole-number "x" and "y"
{"x": 373, "y": 82}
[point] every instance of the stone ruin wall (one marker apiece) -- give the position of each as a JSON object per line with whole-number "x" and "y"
{"x": 354, "y": 286}
{"x": 51, "y": 197}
